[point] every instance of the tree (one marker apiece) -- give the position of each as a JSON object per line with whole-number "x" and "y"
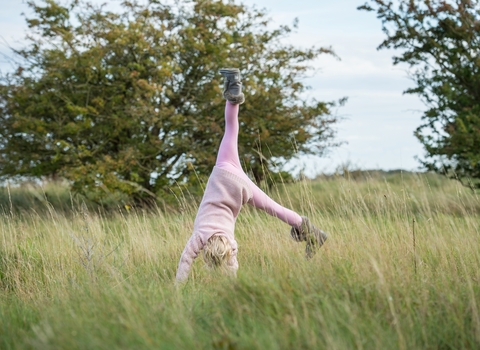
{"x": 440, "y": 40}
{"x": 131, "y": 102}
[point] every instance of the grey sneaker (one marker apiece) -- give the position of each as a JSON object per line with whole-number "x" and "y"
{"x": 232, "y": 89}
{"x": 310, "y": 234}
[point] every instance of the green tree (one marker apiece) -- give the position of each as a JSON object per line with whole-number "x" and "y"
{"x": 440, "y": 41}
{"x": 131, "y": 102}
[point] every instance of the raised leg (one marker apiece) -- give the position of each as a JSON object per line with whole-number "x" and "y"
{"x": 228, "y": 151}
{"x": 228, "y": 158}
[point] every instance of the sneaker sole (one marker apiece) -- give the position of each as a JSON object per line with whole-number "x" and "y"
{"x": 229, "y": 70}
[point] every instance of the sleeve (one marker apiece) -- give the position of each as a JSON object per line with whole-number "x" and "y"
{"x": 233, "y": 265}
{"x": 191, "y": 251}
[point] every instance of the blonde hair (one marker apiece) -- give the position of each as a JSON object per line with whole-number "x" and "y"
{"x": 217, "y": 252}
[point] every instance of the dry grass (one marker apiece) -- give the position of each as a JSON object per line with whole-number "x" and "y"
{"x": 84, "y": 281}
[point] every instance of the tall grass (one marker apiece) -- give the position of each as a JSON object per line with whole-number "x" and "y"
{"x": 87, "y": 281}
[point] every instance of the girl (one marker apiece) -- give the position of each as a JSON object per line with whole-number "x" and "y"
{"x": 228, "y": 188}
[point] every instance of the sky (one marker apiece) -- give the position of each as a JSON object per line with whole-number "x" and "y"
{"x": 378, "y": 120}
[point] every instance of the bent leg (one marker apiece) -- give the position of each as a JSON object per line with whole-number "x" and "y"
{"x": 261, "y": 201}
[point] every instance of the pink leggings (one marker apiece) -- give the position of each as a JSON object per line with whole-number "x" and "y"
{"x": 228, "y": 159}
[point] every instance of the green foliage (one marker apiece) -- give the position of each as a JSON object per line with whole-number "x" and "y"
{"x": 131, "y": 102}
{"x": 441, "y": 39}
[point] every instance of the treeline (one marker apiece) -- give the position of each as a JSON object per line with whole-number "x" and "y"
{"x": 128, "y": 103}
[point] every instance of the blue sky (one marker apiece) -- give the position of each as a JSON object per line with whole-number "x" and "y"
{"x": 378, "y": 119}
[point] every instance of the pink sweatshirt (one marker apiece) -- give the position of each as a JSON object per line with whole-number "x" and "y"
{"x": 223, "y": 198}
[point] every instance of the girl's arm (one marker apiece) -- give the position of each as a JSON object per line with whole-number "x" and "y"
{"x": 191, "y": 251}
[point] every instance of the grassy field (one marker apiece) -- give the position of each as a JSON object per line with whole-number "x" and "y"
{"x": 401, "y": 270}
